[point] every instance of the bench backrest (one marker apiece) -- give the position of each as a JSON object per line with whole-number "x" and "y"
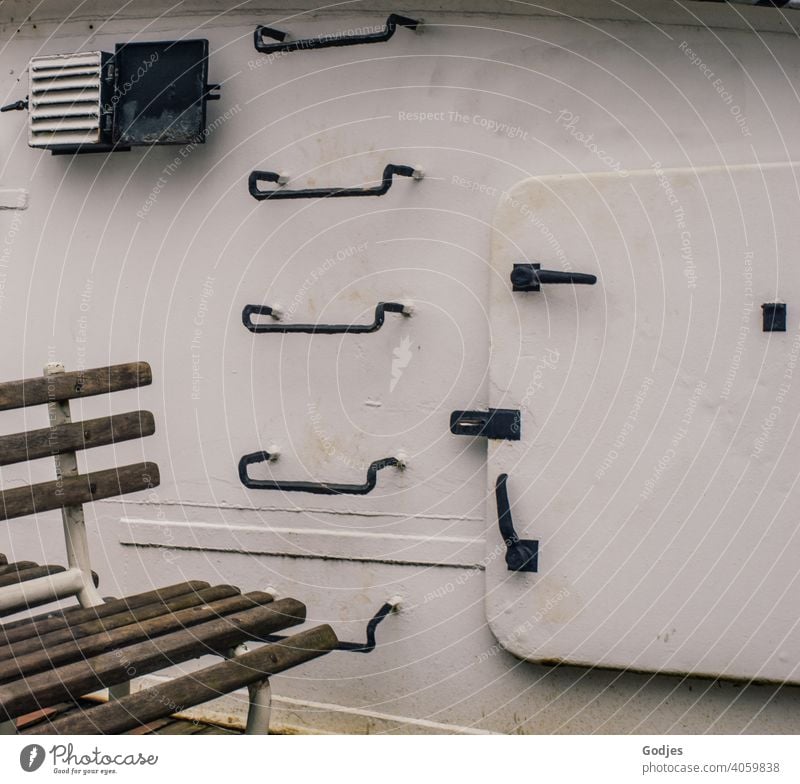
{"x": 61, "y": 440}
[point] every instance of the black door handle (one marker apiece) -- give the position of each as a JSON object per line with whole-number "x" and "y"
{"x": 530, "y": 277}
{"x": 522, "y": 555}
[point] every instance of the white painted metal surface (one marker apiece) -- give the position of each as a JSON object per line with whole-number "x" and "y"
{"x": 657, "y": 464}
{"x": 152, "y": 254}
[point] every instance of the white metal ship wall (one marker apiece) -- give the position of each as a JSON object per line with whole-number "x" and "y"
{"x": 152, "y": 254}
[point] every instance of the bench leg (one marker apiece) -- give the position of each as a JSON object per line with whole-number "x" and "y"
{"x": 259, "y": 710}
{"x": 119, "y": 691}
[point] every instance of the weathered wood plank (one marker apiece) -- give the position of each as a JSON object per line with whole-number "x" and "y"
{"x": 78, "y": 649}
{"x": 59, "y": 619}
{"x": 32, "y": 573}
{"x": 75, "y": 490}
{"x": 215, "y": 729}
{"x": 119, "y": 666}
{"x": 180, "y": 727}
{"x": 75, "y": 384}
{"x": 108, "y": 623}
{"x": 151, "y": 728}
{"x": 74, "y": 436}
{"x": 198, "y": 687}
{"x": 17, "y": 566}
{"x": 37, "y": 717}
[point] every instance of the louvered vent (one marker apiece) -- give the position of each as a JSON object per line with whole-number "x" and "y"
{"x": 65, "y": 99}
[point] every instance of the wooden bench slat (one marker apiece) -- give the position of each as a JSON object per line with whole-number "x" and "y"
{"x": 180, "y": 727}
{"x": 111, "y": 668}
{"x": 74, "y": 436}
{"x": 151, "y": 728}
{"x": 76, "y": 490}
{"x": 59, "y": 619}
{"x": 75, "y": 384}
{"x": 17, "y": 566}
{"x": 116, "y": 621}
{"x": 196, "y": 688}
{"x": 25, "y": 665}
{"x": 32, "y": 573}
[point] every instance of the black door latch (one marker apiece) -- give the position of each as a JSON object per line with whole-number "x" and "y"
{"x": 530, "y": 277}
{"x": 502, "y": 423}
{"x": 522, "y": 555}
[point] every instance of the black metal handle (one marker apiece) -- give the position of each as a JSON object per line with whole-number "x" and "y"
{"x": 17, "y": 106}
{"x": 530, "y": 277}
{"x": 353, "y": 647}
{"x": 320, "y": 488}
{"x": 325, "y": 193}
{"x": 381, "y": 310}
{"x": 392, "y": 23}
{"x": 522, "y": 555}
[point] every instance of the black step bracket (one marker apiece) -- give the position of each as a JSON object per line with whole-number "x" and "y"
{"x": 392, "y": 605}
{"x": 381, "y": 309}
{"x": 774, "y": 317}
{"x": 499, "y": 423}
{"x": 319, "y": 488}
{"x": 323, "y": 42}
{"x": 389, "y": 171}
{"x": 522, "y": 555}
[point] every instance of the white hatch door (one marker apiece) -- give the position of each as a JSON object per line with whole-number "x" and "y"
{"x": 659, "y": 455}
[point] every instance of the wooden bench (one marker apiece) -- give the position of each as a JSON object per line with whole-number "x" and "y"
{"x": 55, "y": 658}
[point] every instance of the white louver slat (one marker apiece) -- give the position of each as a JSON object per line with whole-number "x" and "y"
{"x": 65, "y": 99}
